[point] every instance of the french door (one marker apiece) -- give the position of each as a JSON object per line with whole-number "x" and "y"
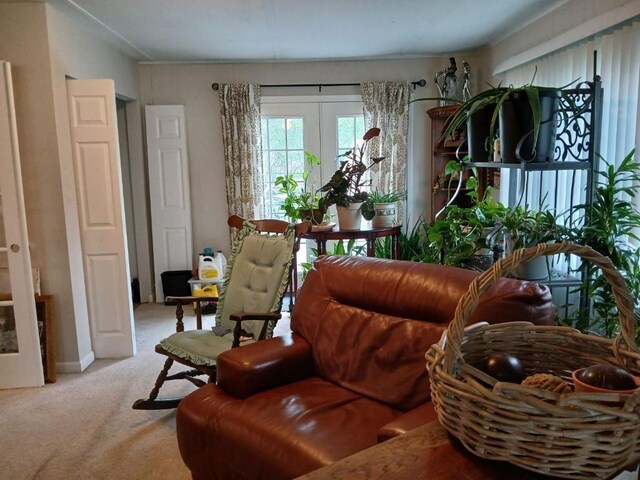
{"x": 20, "y": 359}
{"x": 326, "y": 127}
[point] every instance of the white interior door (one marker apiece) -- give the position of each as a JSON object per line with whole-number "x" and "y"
{"x": 169, "y": 191}
{"x": 94, "y": 136}
{"x": 20, "y": 359}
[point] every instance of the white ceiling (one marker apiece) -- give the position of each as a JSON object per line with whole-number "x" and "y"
{"x": 269, "y": 30}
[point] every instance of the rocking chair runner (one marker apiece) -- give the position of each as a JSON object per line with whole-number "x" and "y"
{"x": 257, "y": 277}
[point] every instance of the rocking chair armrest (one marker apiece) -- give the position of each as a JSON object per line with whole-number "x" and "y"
{"x": 239, "y": 317}
{"x": 264, "y": 316}
{"x": 186, "y": 300}
{"x": 260, "y": 366}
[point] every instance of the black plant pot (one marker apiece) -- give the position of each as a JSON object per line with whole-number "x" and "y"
{"x": 478, "y": 130}
{"x": 516, "y": 128}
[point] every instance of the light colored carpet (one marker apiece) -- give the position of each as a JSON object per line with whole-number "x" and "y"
{"x": 83, "y": 427}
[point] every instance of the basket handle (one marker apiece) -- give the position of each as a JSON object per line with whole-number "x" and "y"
{"x": 487, "y": 279}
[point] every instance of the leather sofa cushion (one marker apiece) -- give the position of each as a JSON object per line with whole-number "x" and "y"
{"x": 295, "y": 428}
{"x": 369, "y": 318}
{"x": 408, "y": 421}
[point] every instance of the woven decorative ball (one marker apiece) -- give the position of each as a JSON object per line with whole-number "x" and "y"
{"x": 547, "y": 381}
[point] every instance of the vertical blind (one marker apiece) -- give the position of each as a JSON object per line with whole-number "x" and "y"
{"x": 618, "y": 64}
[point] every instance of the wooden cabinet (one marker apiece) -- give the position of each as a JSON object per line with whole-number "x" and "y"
{"x": 443, "y": 188}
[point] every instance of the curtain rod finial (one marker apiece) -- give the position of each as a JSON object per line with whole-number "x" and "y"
{"x": 215, "y": 86}
{"x": 420, "y": 83}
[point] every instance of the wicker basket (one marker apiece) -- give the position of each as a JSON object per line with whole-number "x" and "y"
{"x": 571, "y": 435}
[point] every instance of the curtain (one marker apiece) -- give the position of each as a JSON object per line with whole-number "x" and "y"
{"x": 241, "y": 137}
{"x": 386, "y": 106}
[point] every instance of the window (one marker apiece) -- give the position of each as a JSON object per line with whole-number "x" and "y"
{"x": 324, "y": 127}
{"x": 282, "y": 154}
{"x": 350, "y": 129}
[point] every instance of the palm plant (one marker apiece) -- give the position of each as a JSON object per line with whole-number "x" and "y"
{"x": 414, "y": 244}
{"x": 610, "y": 222}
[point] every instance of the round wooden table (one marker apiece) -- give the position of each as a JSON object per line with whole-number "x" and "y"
{"x": 368, "y": 234}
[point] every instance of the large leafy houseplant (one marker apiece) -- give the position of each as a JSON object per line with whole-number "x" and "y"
{"x": 348, "y": 184}
{"x": 301, "y": 201}
{"x": 526, "y": 228}
{"x": 506, "y": 103}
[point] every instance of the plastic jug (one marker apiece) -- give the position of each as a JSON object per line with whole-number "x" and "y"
{"x": 208, "y": 266}
{"x": 222, "y": 261}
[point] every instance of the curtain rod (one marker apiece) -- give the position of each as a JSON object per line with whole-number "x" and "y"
{"x": 419, "y": 83}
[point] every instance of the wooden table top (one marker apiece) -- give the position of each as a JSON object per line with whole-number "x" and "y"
{"x": 428, "y": 452}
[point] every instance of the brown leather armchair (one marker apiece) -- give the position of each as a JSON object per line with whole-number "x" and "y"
{"x": 351, "y": 373}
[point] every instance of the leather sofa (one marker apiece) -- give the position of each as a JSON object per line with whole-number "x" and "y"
{"x": 352, "y": 372}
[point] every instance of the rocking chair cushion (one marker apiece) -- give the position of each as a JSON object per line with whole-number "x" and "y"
{"x": 256, "y": 260}
{"x": 200, "y": 347}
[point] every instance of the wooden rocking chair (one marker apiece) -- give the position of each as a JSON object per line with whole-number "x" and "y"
{"x": 257, "y": 277}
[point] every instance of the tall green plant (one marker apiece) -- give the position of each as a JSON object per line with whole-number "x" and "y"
{"x": 414, "y": 244}
{"x": 609, "y": 222}
{"x": 299, "y": 197}
{"x": 339, "y": 248}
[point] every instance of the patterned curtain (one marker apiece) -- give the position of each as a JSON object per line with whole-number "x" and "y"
{"x": 241, "y": 135}
{"x": 386, "y": 106}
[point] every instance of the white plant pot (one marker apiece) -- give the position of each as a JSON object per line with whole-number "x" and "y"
{"x": 536, "y": 269}
{"x": 385, "y": 215}
{"x": 349, "y": 217}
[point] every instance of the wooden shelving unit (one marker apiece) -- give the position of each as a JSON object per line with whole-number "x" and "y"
{"x": 442, "y": 151}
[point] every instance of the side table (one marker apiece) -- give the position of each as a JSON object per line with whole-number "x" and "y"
{"x": 426, "y": 453}
{"x": 368, "y": 234}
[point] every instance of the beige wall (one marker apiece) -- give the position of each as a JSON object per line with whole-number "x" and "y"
{"x": 44, "y": 45}
{"x": 569, "y": 23}
{"x": 190, "y": 85}
{"x": 25, "y": 44}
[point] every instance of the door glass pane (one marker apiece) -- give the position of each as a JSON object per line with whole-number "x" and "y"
{"x": 350, "y": 130}
{"x": 282, "y": 154}
{"x": 8, "y": 337}
{"x": 3, "y": 242}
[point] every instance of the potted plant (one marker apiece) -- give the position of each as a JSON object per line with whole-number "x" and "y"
{"x": 301, "y": 202}
{"x": 345, "y": 188}
{"x": 527, "y": 122}
{"x": 527, "y": 228}
{"x": 608, "y": 224}
{"x": 383, "y": 206}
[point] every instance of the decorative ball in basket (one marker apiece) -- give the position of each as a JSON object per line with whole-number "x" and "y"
{"x": 540, "y": 425}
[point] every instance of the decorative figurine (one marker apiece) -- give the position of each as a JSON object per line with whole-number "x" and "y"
{"x": 466, "y": 81}
{"x": 447, "y": 83}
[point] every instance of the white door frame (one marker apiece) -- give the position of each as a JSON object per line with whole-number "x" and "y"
{"x": 22, "y": 368}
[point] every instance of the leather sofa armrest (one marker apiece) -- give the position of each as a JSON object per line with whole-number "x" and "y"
{"x": 260, "y": 366}
{"x": 415, "y": 418}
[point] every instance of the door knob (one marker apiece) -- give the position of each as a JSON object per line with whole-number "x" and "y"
{"x": 15, "y": 247}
